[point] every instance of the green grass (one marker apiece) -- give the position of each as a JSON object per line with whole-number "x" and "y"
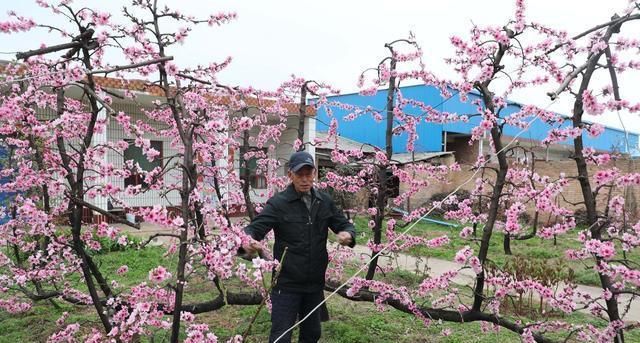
{"x": 353, "y": 322}
{"x": 39, "y": 323}
{"x": 535, "y": 248}
{"x": 140, "y": 262}
{"x": 350, "y": 321}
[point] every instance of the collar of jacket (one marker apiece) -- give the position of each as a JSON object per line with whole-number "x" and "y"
{"x": 291, "y": 194}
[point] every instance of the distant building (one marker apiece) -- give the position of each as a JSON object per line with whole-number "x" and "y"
{"x": 454, "y": 137}
{"x": 146, "y": 94}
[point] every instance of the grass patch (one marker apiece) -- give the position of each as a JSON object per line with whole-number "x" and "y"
{"x": 353, "y": 322}
{"x": 534, "y": 248}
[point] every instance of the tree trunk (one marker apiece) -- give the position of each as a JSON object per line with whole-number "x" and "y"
{"x": 494, "y": 205}
{"x": 583, "y": 177}
{"x": 182, "y": 252}
{"x": 382, "y": 196}
{"x": 506, "y": 244}
{"x": 302, "y": 115}
{"x": 245, "y": 176}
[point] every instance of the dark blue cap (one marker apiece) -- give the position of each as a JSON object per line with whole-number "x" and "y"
{"x": 300, "y": 159}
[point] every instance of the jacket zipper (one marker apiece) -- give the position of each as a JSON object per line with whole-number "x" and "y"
{"x": 311, "y": 209}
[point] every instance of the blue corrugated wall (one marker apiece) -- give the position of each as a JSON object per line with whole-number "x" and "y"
{"x": 365, "y": 129}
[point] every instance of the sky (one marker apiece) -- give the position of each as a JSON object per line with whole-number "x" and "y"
{"x": 334, "y": 41}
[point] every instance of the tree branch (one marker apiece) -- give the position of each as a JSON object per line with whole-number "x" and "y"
{"x": 132, "y": 66}
{"x": 439, "y": 314}
{"x": 617, "y": 21}
{"x": 152, "y": 237}
{"x": 103, "y": 212}
{"x": 49, "y": 49}
{"x": 217, "y": 303}
{"x": 90, "y": 91}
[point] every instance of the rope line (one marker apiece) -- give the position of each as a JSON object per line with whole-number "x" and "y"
{"x": 6, "y": 82}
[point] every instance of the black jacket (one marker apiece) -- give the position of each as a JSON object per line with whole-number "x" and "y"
{"x": 304, "y": 233}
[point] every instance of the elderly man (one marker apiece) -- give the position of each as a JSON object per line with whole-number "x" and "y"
{"x": 300, "y": 217}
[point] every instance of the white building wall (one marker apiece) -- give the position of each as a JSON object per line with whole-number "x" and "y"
{"x": 150, "y": 197}
{"x": 283, "y": 150}
{"x": 100, "y": 138}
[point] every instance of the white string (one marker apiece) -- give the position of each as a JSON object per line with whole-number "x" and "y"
{"x": 408, "y": 229}
{"x": 6, "y": 82}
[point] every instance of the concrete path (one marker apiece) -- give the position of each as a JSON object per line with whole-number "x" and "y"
{"x": 435, "y": 267}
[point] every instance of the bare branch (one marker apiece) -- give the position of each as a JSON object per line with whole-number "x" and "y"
{"x": 438, "y": 314}
{"x": 152, "y": 237}
{"x": 49, "y": 49}
{"x": 131, "y": 66}
{"x": 567, "y": 80}
{"x": 612, "y": 74}
{"x": 103, "y": 212}
{"x": 90, "y": 91}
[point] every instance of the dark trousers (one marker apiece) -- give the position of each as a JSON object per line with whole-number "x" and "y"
{"x": 286, "y": 307}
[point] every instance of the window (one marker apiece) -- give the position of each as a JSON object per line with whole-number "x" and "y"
{"x": 135, "y": 154}
{"x": 255, "y": 178}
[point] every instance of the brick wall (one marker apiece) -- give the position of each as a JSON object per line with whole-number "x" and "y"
{"x": 572, "y": 192}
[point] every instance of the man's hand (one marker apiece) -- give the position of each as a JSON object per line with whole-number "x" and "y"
{"x": 252, "y": 249}
{"x": 344, "y": 238}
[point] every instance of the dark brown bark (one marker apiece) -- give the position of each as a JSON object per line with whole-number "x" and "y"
{"x": 182, "y": 252}
{"x": 76, "y": 179}
{"x": 585, "y": 185}
{"x": 506, "y": 244}
{"x": 382, "y": 196}
{"x": 189, "y": 172}
{"x": 219, "y": 302}
{"x": 216, "y": 186}
{"x": 302, "y": 113}
{"x": 503, "y": 167}
{"x": 49, "y": 49}
{"x": 494, "y": 206}
{"x": 187, "y": 165}
{"x": 245, "y": 176}
{"x": 77, "y": 190}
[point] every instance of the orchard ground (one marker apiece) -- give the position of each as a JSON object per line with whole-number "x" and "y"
{"x": 350, "y": 321}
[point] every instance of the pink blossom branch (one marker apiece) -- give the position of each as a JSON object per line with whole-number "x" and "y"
{"x": 204, "y": 82}
{"x": 612, "y": 74}
{"x": 565, "y": 83}
{"x": 616, "y": 21}
{"x": 131, "y": 66}
{"x": 274, "y": 281}
{"x": 90, "y": 91}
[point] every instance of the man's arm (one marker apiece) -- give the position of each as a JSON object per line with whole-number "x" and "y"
{"x": 342, "y": 227}
{"x": 260, "y": 226}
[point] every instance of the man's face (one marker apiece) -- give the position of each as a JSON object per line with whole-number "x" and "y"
{"x": 303, "y": 179}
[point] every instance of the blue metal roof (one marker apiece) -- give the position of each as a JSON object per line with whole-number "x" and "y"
{"x": 367, "y": 130}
